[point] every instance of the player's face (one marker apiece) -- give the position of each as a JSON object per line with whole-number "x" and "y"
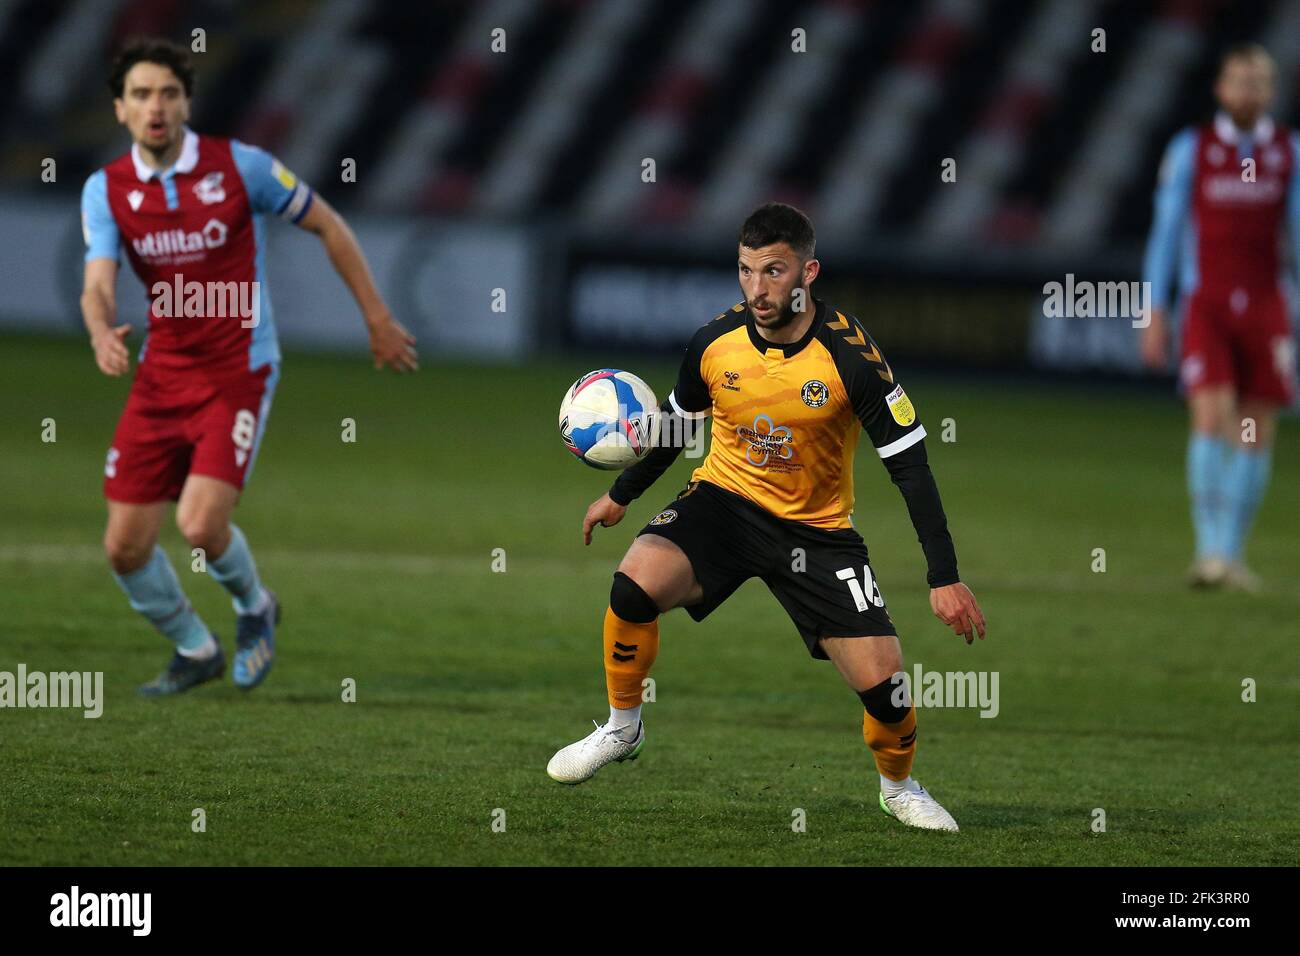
{"x": 1245, "y": 89}
{"x": 153, "y": 106}
{"x": 769, "y": 277}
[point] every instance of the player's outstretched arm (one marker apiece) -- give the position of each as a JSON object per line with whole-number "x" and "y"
{"x": 390, "y": 342}
{"x": 890, "y": 420}
{"x": 950, "y": 599}
{"x": 674, "y": 433}
{"x": 99, "y": 312}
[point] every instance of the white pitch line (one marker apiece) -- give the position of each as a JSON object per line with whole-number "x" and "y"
{"x": 343, "y": 560}
{"x": 416, "y": 564}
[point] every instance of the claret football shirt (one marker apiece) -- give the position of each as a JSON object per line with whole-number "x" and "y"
{"x": 196, "y": 226}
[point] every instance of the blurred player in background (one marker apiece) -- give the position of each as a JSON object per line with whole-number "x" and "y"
{"x": 189, "y": 212}
{"x": 1225, "y": 191}
{"x": 790, "y": 383}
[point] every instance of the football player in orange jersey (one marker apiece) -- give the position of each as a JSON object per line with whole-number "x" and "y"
{"x": 790, "y": 383}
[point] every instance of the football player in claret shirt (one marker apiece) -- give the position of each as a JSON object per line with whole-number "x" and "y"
{"x": 1226, "y": 191}
{"x": 790, "y": 381}
{"x": 189, "y": 212}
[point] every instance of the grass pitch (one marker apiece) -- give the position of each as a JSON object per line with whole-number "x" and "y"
{"x": 1119, "y": 690}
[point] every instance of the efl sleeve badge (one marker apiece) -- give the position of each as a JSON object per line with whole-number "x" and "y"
{"x": 900, "y": 406}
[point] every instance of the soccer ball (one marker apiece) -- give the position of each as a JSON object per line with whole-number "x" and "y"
{"x": 609, "y": 419}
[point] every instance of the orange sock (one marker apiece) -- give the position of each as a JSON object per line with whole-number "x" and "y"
{"x": 893, "y": 745}
{"x": 630, "y": 651}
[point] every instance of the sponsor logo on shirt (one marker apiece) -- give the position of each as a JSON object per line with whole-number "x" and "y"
{"x": 766, "y": 439}
{"x": 167, "y": 244}
{"x": 1231, "y": 188}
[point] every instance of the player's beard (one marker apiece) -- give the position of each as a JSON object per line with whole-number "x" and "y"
{"x": 785, "y": 316}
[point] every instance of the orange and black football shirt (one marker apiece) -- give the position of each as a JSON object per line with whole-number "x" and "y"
{"x": 786, "y": 418}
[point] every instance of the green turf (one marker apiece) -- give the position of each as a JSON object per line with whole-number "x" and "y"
{"x": 1119, "y": 690}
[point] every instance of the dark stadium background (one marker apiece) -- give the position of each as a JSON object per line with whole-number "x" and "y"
{"x": 520, "y": 171}
{"x": 538, "y": 148}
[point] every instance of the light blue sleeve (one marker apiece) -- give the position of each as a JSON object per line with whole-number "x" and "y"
{"x": 1293, "y": 198}
{"x": 270, "y": 186}
{"x": 1173, "y": 203}
{"x": 97, "y": 223}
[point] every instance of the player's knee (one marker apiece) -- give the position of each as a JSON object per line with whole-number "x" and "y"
{"x": 629, "y": 601}
{"x": 202, "y": 529}
{"x": 125, "y": 555}
{"x": 888, "y": 702}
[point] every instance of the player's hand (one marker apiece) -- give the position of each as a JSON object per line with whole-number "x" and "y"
{"x": 392, "y": 345}
{"x": 956, "y": 606}
{"x": 1155, "y": 342}
{"x": 604, "y": 511}
{"x": 110, "y": 352}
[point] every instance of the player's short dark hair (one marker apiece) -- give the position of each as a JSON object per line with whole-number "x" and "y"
{"x": 776, "y": 222}
{"x": 151, "y": 50}
{"x": 1245, "y": 51}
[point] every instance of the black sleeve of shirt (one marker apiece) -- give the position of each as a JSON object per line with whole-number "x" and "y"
{"x": 875, "y": 395}
{"x": 910, "y": 471}
{"x": 684, "y": 410}
{"x": 674, "y": 434}
{"x": 691, "y": 393}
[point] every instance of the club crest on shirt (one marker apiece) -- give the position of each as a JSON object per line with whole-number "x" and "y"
{"x": 209, "y": 189}
{"x": 135, "y": 197}
{"x": 814, "y": 393}
{"x": 664, "y": 517}
{"x": 900, "y": 406}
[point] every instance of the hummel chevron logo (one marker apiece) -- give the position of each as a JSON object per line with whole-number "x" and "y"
{"x": 841, "y": 324}
{"x": 624, "y": 647}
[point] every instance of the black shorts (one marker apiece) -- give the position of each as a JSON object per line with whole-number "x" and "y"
{"x": 821, "y": 576}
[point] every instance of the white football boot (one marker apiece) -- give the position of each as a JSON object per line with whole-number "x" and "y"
{"x": 917, "y": 808}
{"x": 1208, "y": 572}
{"x": 580, "y": 761}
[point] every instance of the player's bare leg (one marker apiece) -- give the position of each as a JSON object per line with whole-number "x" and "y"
{"x": 149, "y": 580}
{"x": 662, "y": 569}
{"x": 873, "y": 667}
{"x": 132, "y": 534}
{"x": 1250, "y": 434}
{"x": 1208, "y": 452}
{"x": 654, "y": 576}
{"x": 203, "y": 516}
